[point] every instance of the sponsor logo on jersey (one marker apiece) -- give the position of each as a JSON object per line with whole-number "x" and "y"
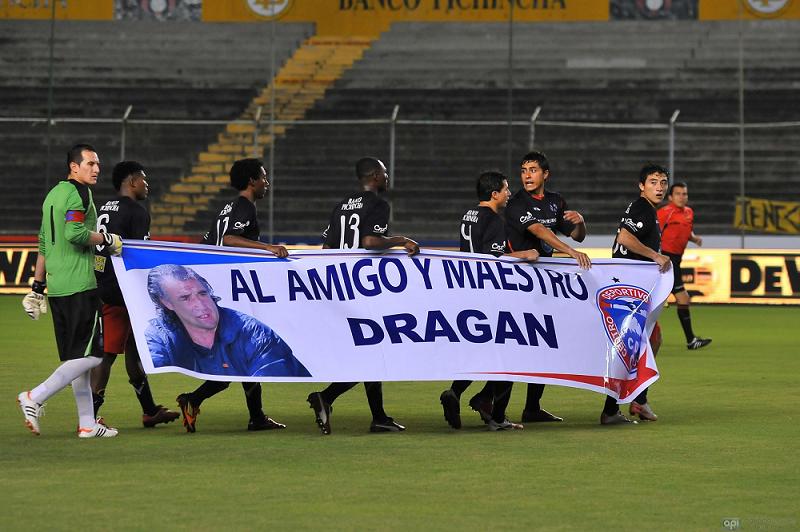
{"x": 633, "y": 225}
{"x": 527, "y": 217}
{"x": 353, "y": 204}
{"x": 499, "y": 247}
{"x": 624, "y": 310}
{"x": 240, "y": 225}
{"x": 380, "y": 229}
{"x": 112, "y": 206}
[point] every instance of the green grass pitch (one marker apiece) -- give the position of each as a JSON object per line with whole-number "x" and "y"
{"x": 725, "y": 446}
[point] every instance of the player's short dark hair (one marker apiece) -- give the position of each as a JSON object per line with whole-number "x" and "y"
{"x": 155, "y": 287}
{"x": 677, "y": 184}
{"x": 245, "y": 170}
{"x": 75, "y": 154}
{"x": 367, "y": 167}
{"x": 538, "y": 157}
{"x": 122, "y": 170}
{"x": 488, "y": 182}
{"x": 651, "y": 168}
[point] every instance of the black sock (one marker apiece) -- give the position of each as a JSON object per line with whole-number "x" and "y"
{"x": 458, "y": 387}
{"x": 206, "y": 390}
{"x": 642, "y": 397}
{"x": 611, "y": 407}
{"x": 98, "y": 400}
{"x": 535, "y": 391}
{"x": 252, "y": 395}
{"x": 375, "y": 400}
{"x": 145, "y": 396}
{"x": 336, "y": 389}
{"x": 686, "y": 322}
{"x": 487, "y": 392}
{"x": 502, "y": 395}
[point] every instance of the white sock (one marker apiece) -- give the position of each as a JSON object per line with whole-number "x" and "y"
{"x": 63, "y": 375}
{"x": 81, "y": 387}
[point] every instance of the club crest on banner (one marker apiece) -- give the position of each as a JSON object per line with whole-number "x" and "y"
{"x": 624, "y": 311}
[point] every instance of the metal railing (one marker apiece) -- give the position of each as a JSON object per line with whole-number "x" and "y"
{"x": 393, "y": 122}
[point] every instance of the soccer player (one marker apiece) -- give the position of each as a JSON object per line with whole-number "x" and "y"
{"x": 237, "y": 226}
{"x": 677, "y": 230}
{"x": 532, "y": 216}
{"x": 126, "y": 217}
{"x": 361, "y": 220}
{"x": 638, "y": 238}
{"x": 65, "y": 266}
{"x": 483, "y": 231}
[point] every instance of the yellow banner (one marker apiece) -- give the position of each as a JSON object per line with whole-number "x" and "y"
{"x": 753, "y": 276}
{"x": 749, "y": 9}
{"x": 370, "y": 17}
{"x": 767, "y": 216}
{"x": 17, "y": 265}
{"x": 65, "y": 9}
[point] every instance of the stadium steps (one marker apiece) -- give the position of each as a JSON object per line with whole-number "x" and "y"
{"x": 175, "y": 70}
{"x": 298, "y": 85}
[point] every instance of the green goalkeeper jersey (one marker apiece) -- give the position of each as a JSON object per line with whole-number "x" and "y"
{"x": 68, "y": 215}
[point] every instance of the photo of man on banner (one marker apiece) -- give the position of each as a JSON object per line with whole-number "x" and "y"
{"x": 193, "y": 332}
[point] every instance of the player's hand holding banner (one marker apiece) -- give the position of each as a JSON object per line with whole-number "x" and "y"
{"x": 112, "y": 242}
{"x": 354, "y": 315}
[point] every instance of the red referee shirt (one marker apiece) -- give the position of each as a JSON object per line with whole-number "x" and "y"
{"x": 676, "y": 228}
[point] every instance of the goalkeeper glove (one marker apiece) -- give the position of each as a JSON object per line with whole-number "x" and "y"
{"x": 35, "y": 303}
{"x": 112, "y": 243}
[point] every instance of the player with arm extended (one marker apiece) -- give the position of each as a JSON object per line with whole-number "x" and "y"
{"x": 677, "y": 230}
{"x": 638, "y": 238}
{"x": 237, "y": 226}
{"x": 361, "y": 220}
{"x": 532, "y": 216}
{"x": 126, "y": 216}
{"x": 65, "y": 267}
{"x": 483, "y": 232}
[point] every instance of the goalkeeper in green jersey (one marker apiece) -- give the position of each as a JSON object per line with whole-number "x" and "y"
{"x": 65, "y": 266}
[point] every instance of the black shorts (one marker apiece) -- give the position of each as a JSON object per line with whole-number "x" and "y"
{"x": 676, "y": 272}
{"x": 78, "y": 325}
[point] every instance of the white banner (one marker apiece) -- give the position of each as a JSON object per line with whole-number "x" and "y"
{"x": 234, "y": 314}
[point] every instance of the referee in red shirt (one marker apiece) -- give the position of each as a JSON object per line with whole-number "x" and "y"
{"x": 677, "y": 230}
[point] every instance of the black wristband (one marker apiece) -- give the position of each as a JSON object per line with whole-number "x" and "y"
{"x": 38, "y": 286}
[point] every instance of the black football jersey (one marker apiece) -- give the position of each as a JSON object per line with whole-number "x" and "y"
{"x": 127, "y": 218}
{"x": 641, "y": 220}
{"x": 356, "y": 216}
{"x": 236, "y": 218}
{"x": 524, "y": 210}
{"x": 483, "y": 231}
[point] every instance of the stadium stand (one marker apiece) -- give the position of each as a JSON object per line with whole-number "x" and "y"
{"x": 616, "y": 72}
{"x": 175, "y": 70}
{"x": 633, "y": 71}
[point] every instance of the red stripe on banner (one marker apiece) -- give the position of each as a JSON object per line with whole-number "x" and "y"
{"x": 622, "y": 387}
{"x": 75, "y": 216}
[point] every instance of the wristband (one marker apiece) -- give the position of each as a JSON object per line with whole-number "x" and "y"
{"x": 38, "y": 286}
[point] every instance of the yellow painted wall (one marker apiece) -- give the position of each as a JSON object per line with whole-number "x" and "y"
{"x": 65, "y": 9}
{"x": 370, "y": 17}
